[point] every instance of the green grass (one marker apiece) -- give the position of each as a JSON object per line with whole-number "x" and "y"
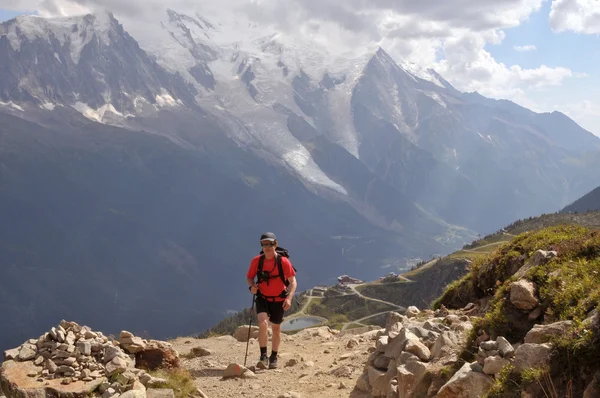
{"x": 179, "y": 380}
{"x": 568, "y": 289}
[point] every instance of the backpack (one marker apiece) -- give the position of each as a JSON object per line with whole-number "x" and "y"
{"x": 281, "y": 252}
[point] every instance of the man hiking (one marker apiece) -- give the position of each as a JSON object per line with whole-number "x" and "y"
{"x": 272, "y": 296}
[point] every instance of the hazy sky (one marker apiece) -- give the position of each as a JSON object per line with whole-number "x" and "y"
{"x": 542, "y": 54}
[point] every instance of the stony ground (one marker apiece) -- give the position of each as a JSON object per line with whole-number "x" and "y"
{"x": 326, "y": 366}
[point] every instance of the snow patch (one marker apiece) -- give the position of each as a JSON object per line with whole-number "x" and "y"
{"x": 421, "y": 73}
{"x": 165, "y": 99}
{"x": 76, "y": 31}
{"x": 436, "y": 97}
{"x": 12, "y": 105}
{"x": 96, "y": 114}
{"x": 48, "y": 105}
{"x": 301, "y": 161}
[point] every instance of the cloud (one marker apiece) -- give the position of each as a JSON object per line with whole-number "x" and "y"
{"x": 521, "y": 49}
{"x": 451, "y": 35}
{"x": 580, "y": 16}
{"x": 585, "y": 112}
{"x": 470, "y": 67}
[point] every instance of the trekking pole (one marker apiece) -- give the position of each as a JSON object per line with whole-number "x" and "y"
{"x": 249, "y": 328}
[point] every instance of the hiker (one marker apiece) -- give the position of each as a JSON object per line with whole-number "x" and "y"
{"x": 272, "y": 296}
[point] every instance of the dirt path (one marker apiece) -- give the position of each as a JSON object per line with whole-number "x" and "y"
{"x": 353, "y": 287}
{"x": 358, "y": 321}
{"x": 317, "y": 351}
{"x": 477, "y": 249}
{"x": 305, "y": 306}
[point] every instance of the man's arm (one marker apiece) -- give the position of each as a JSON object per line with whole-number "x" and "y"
{"x": 287, "y": 303}
{"x": 292, "y": 287}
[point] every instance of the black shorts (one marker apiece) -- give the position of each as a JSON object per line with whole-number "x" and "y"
{"x": 273, "y": 308}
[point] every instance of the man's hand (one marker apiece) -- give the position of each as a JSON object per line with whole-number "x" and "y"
{"x": 254, "y": 289}
{"x": 287, "y": 304}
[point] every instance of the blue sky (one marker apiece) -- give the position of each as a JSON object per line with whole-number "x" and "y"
{"x": 577, "y": 51}
{"x": 8, "y": 14}
{"x": 476, "y": 38}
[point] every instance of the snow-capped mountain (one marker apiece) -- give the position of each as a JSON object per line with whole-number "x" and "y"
{"x": 129, "y": 152}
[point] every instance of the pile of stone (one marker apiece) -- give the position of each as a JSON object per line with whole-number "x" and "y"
{"x": 409, "y": 349}
{"x": 494, "y": 355}
{"x": 70, "y": 353}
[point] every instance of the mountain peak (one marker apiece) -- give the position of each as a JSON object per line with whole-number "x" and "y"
{"x": 77, "y": 30}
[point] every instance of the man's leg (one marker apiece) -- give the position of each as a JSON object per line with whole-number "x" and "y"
{"x": 276, "y": 338}
{"x": 276, "y": 319}
{"x": 263, "y": 326}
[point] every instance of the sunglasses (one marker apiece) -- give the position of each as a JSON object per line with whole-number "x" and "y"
{"x": 267, "y": 244}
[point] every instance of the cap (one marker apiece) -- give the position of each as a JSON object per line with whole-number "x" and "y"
{"x": 268, "y": 236}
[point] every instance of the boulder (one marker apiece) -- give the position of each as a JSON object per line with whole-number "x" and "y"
{"x": 494, "y": 364}
{"x": 505, "y": 348}
{"x": 522, "y": 295}
{"x": 241, "y": 333}
{"x": 540, "y": 334}
{"x": 446, "y": 343}
{"x": 532, "y": 356}
{"x": 539, "y": 257}
{"x": 157, "y": 355}
{"x": 466, "y": 384}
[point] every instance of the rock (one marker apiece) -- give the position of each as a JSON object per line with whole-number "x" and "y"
{"x": 412, "y": 312}
{"x": 489, "y": 345}
{"x": 115, "y": 366}
{"x": 494, "y": 364}
{"x": 377, "y": 379}
{"x": 234, "y": 370}
{"x": 343, "y": 371}
{"x": 200, "y": 352}
{"x": 11, "y": 354}
{"x": 529, "y": 356}
{"x": 352, "y": 343}
{"x": 382, "y": 362}
{"x": 84, "y": 347}
{"x": 522, "y": 295}
{"x": 157, "y": 355}
{"x": 362, "y": 384}
{"x": 27, "y": 352}
{"x": 392, "y": 320}
{"x": 291, "y": 362}
{"x": 414, "y": 346}
{"x": 133, "y": 394}
{"x": 396, "y": 345}
{"x": 291, "y": 394}
{"x": 540, "y": 334}
{"x": 160, "y": 393}
{"x": 133, "y": 344}
{"x": 241, "y": 333}
{"x": 505, "y": 348}
{"x": 465, "y": 384}
{"x": 445, "y": 344}
{"x": 382, "y": 343}
{"x": 539, "y": 257}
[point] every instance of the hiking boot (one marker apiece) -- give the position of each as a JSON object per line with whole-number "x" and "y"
{"x": 263, "y": 363}
{"x": 273, "y": 363}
